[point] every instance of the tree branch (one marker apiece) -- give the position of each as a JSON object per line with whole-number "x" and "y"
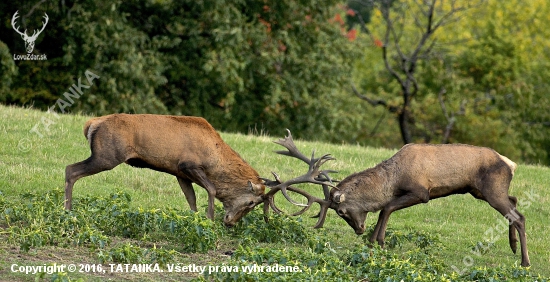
{"x": 543, "y": 123}
{"x": 373, "y": 102}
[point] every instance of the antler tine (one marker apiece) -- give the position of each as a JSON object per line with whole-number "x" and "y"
{"x": 288, "y": 143}
{"x": 322, "y": 215}
{"x": 269, "y": 182}
{"x": 283, "y": 190}
{"x": 282, "y": 187}
{"x": 325, "y": 205}
{"x": 320, "y": 161}
{"x": 277, "y": 179}
{"x": 327, "y": 177}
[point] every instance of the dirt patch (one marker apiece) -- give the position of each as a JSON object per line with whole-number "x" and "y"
{"x": 85, "y": 260}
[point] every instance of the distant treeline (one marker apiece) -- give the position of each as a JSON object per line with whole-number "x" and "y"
{"x": 263, "y": 66}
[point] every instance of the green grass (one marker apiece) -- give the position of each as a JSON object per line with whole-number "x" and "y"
{"x": 33, "y": 163}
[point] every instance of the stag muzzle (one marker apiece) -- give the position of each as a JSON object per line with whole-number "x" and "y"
{"x": 229, "y": 221}
{"x": 360, "y": 230}
{"x": 357, "y": 225}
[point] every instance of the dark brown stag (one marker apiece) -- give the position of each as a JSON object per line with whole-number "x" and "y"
{"x": 187, "y": 147}
{"x": 414, "y": 175}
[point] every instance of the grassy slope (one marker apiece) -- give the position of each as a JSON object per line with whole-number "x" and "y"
{"x": 460, "y": 220}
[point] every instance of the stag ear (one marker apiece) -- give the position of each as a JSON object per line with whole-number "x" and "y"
{"x": 339, "y": 197}
{"x": 254, "y": 187}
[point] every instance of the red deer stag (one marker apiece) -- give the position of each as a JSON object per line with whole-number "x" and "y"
{"x": 186, "y": 147}
{"x": 415, "y": 174}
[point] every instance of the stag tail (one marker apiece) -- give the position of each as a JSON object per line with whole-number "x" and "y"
{"x": 87, "y": 128}
{"x": 91, "y": 127}
{"x": 510, "y": 163}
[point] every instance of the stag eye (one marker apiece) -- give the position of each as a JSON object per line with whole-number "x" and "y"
{"x": 251, "y": 203}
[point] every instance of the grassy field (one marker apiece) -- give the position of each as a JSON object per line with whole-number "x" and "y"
{"x": 35, "y": 162}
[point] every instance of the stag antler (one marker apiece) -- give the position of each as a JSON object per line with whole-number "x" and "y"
{"x": 313, "y": 175}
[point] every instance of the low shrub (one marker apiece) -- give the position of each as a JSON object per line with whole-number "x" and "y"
{"x": 35, "y": 221}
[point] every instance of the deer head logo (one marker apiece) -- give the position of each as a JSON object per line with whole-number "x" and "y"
{"x": 29, "y": 40}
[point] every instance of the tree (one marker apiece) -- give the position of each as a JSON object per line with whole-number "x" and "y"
{"x": 240, "y": 64}
{"x": 482, "y": 84}
{"x": 408, "y": 38}
{"x": 247, "y": 63}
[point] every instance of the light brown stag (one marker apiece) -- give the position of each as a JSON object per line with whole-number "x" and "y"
{"x": 186, "y": 147}
{"x": 415, "y": 174}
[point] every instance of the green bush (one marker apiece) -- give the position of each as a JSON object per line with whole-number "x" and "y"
{"x": 279, "y": 228}
{"x": 39, "y": 220}
{"x": 129, "y": 253}
{"x": 396, "y": 238}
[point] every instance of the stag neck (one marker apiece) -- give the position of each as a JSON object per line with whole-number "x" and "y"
{"x": 371, "y": 187}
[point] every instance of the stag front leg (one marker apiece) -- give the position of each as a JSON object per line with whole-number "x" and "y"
{"x": 417, "y": 197}
{"x": 374, "y": 234}
{"x": 198, "y": 176}
{"x": 187, "y": 188}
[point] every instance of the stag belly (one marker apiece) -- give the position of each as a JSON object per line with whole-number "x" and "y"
{"x": 158, "y": 160}
{"x": 444, "y": 191}
{"x": 140, "y": 163}
{"x": 451, "y": 182}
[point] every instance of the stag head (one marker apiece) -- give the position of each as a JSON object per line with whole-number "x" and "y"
{"x": 351, "y": 210}
{"x": 29, "y": 40}
{"x": 239, "y": 204}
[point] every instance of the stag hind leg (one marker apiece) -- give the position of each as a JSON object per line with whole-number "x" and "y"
{"x": 516, "y": 220}
{"x": 513, "y": 239}
{"x": 93, "y": 165}
{"x": 495, "y": 192}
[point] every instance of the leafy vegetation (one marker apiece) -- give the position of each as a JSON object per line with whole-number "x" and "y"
{"x": 34, "y": 221}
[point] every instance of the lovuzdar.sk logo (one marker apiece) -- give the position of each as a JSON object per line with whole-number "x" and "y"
{"x": 29, "y": 40}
